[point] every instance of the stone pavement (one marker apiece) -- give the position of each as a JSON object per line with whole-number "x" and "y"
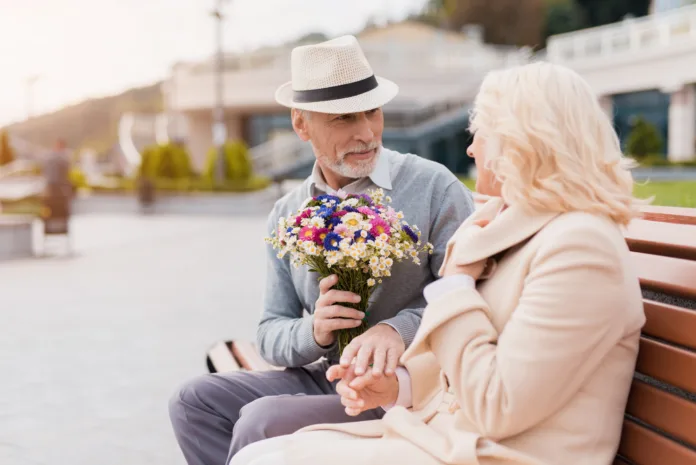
{"x": 94, "y": 345}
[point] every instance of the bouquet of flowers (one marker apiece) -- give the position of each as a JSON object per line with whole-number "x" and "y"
{"x": 356, "y": 237}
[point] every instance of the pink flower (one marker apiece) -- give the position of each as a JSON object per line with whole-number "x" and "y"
{"x": 306, "y": 234}
{"x": 379, "y": 227}
{"x": 340, "y": 213}
{"x": 305, "y": 214}
{"x": 367, "y": 211}
{"x": 342, "y": 230}
{"x": 320, "y": 235}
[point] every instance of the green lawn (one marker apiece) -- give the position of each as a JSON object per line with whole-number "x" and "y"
{"x": 675, "y": 194}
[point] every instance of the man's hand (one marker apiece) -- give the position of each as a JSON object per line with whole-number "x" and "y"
{"x": 329, "y": 317}
{"x": 366, "y": 392}
{"x": 381, "y": 345}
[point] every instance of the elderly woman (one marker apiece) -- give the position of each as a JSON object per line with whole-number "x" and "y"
{"x": 527, "y": 348}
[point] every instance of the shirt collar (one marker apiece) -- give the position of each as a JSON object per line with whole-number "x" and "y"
{"x": 380, "y": 176}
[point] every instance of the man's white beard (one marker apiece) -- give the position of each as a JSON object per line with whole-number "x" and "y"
{"x": 357, "y": 169}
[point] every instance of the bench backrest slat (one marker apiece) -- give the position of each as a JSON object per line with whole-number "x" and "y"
{"x": 642, "y": 446}
{"x": 668, "y": 412}
{"x": 678, "y": 215}
{"x": 668, "y": 364}
{"x": 670, "y": 240}
{"x": 672, "y": 276}
{"x": 669, "y": 322}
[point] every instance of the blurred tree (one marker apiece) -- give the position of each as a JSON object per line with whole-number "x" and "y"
{"x": 600, "y": 12}
{"x": 644, "y": 140}
{"x": 529, "y": 22}
{"x": 505, "y": 22}
{"x": 7, "y": 154}
{"x": 563, "y": 16}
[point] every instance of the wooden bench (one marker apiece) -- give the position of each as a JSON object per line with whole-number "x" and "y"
{"x": 660, "y": 423}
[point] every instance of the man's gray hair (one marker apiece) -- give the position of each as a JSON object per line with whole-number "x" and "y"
{"x": 306, "y": 114}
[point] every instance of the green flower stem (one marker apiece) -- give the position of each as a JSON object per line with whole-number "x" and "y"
{"x": 351, "y": 280}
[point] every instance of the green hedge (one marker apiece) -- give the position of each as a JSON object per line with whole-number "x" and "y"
{"x": 238, "y": 165}
{"x": 168, "y": 161}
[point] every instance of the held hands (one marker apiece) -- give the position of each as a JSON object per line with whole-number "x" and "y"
{"x": 330, "y": 316}
{"x": 362, "y": 393}
{"x": 380, "y": 345}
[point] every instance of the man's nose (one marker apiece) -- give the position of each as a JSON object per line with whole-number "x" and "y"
{"x": 364, "y": 132}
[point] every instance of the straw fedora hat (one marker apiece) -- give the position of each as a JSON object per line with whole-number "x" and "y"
{"x": 334, "y": 77}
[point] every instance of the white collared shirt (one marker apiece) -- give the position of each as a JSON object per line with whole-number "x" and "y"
{"x": 380, "y": 177}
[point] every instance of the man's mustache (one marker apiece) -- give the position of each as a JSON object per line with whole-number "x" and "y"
{"x": 361, "y": 148}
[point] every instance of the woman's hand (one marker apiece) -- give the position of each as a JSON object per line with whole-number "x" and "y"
{"x": 475, "y": 270}
{"x": 362, "y": 393}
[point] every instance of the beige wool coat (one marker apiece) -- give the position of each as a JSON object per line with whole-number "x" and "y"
{"x": 533, "y": 366}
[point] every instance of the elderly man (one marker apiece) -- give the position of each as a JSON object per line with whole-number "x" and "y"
{"x": 336, "y": 105}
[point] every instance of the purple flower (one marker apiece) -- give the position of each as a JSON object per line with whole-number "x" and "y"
{"x": 407, "y": 229}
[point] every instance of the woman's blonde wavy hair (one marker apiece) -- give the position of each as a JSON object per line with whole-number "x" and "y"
{"x": 550, "y": 144}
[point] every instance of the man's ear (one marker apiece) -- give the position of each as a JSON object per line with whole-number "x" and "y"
{"x": 299, "y": 124}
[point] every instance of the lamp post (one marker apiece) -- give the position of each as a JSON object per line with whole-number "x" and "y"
{"x": 219, "y": 127}
{"x": 29, "y": 82}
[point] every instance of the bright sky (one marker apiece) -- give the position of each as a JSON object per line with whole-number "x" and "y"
{"x": 88, "y": 48}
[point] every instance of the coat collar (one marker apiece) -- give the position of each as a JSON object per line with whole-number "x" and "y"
{"x": 506, "y": 229}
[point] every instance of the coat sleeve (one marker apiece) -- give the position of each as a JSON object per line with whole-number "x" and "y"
{"x": 568, "y": 318}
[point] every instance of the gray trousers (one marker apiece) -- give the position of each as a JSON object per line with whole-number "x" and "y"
{"x": 215, "y": 415}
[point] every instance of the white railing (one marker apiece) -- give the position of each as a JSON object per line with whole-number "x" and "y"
{"x": 631, "y": 36}
{"x": 279, "y": 153}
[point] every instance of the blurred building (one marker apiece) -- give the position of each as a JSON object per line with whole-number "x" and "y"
{"x": 438, "y": 74}
{"x": 642, "y": 66}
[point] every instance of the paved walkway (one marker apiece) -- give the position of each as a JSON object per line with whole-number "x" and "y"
{"x": 93, "y": 346}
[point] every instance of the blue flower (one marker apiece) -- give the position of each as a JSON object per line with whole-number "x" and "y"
{"x": 332, "y": 241}
{"x": 335, "y": 221}
{"x": 350, "y": 209}
{"x": 407, "y": 229}
{"x": 325, "y": 212}
{"x": 328, "y": 198}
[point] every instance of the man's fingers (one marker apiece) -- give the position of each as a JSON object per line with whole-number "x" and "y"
{"x": 363, "y": 359}
{"x": 352, "y": 412}
{"x": 332, "y": 296}
{"x": 327, "y": 283}
{"x": 338, "y": 311}
{"x": 349, "y": 353}
{"x": 378, "y": 362}
{"x": 334, "y": 324}
{"x": 392, "y": 362}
